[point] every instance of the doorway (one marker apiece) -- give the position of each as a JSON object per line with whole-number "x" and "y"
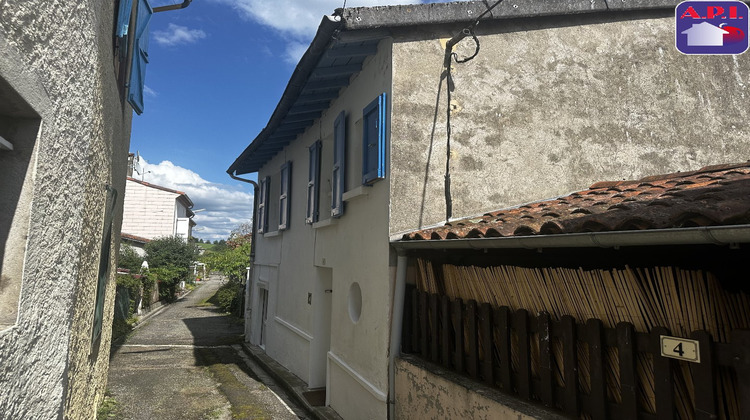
{"x": 263, "y": 300}
{"x": 322, "y": 299}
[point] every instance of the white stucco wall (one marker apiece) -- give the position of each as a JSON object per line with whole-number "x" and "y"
{"x": 305, "y": 259}
{"x": 58, "y": 56}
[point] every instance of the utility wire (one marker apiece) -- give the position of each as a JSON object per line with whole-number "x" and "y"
{"x": 449, "y": 54}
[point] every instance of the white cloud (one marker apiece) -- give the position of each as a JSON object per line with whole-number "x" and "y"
{"x": 149, "y": 92}
{"x": 226, "y": 206}
{"x": 294, "y": 51}
{"x": 177, "y": 34}
{"x": 297, "y": 20}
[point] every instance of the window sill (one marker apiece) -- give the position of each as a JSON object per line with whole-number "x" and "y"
{"x": 325, "y": 223}
{"x": 272, "y": 234}
{"x": 360, "y": 191}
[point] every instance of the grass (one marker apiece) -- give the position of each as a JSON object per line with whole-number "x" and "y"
{"x": 109, "y": 408}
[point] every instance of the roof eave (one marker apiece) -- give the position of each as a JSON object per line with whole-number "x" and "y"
{"x": 707, "y": 235}
{"x": 328, "y": 26}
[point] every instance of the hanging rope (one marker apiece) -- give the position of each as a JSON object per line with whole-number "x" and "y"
{"x": 450, "y": 55}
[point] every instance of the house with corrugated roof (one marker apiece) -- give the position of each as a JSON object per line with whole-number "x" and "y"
{"x": 401, "y": 118}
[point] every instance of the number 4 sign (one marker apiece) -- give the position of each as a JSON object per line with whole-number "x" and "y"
{"x": 680, "y": 348}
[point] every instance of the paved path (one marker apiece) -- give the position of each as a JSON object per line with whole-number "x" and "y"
{"x": 187, "y": 363}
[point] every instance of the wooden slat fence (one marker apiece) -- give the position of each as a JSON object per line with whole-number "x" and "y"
{"x": 513, "y": 352}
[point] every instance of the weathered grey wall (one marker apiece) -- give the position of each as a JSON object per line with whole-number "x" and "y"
{"x": 424, "y": 391}
{"x": 63, "y": 52}
{"x": 551, "y": 105}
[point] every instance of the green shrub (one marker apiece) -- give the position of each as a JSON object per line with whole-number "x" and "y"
{"x": 228, "y": 298}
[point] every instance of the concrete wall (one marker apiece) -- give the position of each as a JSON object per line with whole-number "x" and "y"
{"x": 424, "y": 391}
{"x": 150, "y": 212}
{"x": 305, "y": 259}
{"x": 58, "y": 57}
{"x": 552, "y": 105}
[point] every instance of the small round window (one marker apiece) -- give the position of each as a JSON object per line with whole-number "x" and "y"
{"x": 355, "y": 302}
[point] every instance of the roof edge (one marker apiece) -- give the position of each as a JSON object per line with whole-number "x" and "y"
{"x": 327, "y": 28}
{"x": 716, "y": 235}
{"x": 358, "y": 18}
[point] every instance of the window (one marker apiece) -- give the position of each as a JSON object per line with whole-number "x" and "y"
{"x": 373, "y": 141}
{"x": 104, "y": 268}
{"x": 339, "y": 166}
{"x": 140, "y": 56}
{"x": 313, "y": 184}
{"x": 22, "y": 101}
{"x": 285, "y": 186}
{"x": 265, "y": 185}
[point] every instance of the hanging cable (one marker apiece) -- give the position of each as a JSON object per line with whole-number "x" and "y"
{"x": 449, "y": 54}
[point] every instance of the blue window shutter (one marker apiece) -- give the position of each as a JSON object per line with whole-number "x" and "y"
{"x": 123, "y": 18}
{"x": 313, "y": 184}
{"x": 338, "y": 178}
{"x": 140, "y": 56}
{"x": 265, "y": 184}
{"x": 373, "y": 140}
{"x": 285, "y": 196}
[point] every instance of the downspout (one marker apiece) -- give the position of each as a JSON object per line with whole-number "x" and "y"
{"x": 397, "y": 322}
{"x": 256, "y": 188}
{"x": 183, "y": 5}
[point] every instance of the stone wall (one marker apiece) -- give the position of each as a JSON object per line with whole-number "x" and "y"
{"x": 59, "y": 58}
{"x": 551, "y": 105}
{"x": 424, "y": 391}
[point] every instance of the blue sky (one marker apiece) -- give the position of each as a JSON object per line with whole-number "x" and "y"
{"x": 216, "y": 72}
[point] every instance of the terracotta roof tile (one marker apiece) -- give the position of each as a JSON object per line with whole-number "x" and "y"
{"x": 711, "y": 196}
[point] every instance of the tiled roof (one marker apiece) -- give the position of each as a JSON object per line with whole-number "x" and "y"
{"x": 181, "y": 195}
{"x": 134, "y": 238}
{"x": 711, "y": 196}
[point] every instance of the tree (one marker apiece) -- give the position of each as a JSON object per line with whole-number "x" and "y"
{"x": 240, "y": 235}
{"x": 129, "y": 259}
{"x": 233, "y": 262}
{"x": 170, "y": 259}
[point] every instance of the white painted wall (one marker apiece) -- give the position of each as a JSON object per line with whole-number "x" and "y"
{"x": 304, "y": 259}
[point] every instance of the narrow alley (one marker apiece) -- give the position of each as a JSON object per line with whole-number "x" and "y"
{"x": 187, "y": 362}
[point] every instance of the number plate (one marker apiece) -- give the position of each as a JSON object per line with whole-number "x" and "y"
{"x": 680, "y": 348}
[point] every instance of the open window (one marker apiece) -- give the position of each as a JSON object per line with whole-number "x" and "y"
{"x": 373, "y": 141}
{"x": 265, "y": 187}
{"x": 285, "y": 185}
{"x": 313, "y": 184}
{"x": 338, "y": 178}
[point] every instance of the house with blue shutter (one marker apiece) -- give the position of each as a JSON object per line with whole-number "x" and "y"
{"x": 381, "y": 132}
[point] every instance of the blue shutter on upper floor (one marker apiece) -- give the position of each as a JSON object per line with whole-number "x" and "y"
{"x": 123, "y": 18}
{"x": 373, "y": 140}
{"x": 140, "y": 56}
{"x": 265, "y": 184}
{"x": 338, "y": 177}
{"x": 285, "y": 186}
{"x": 313, "y": 184}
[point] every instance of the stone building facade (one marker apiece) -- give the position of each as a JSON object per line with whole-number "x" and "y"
{"x": 65, "y": 125}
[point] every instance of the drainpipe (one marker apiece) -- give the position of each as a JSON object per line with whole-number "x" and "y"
{"x": 256, "y": 188}
{"x": 183, "y": 5}
{"x": 397, "y": 322}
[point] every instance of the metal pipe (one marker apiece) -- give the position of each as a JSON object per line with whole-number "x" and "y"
{"x": 254, "y": 228}
{"x": 716, "y": 235}
{"x": 183, "y": 5}
{"x": 397, "y": 323}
